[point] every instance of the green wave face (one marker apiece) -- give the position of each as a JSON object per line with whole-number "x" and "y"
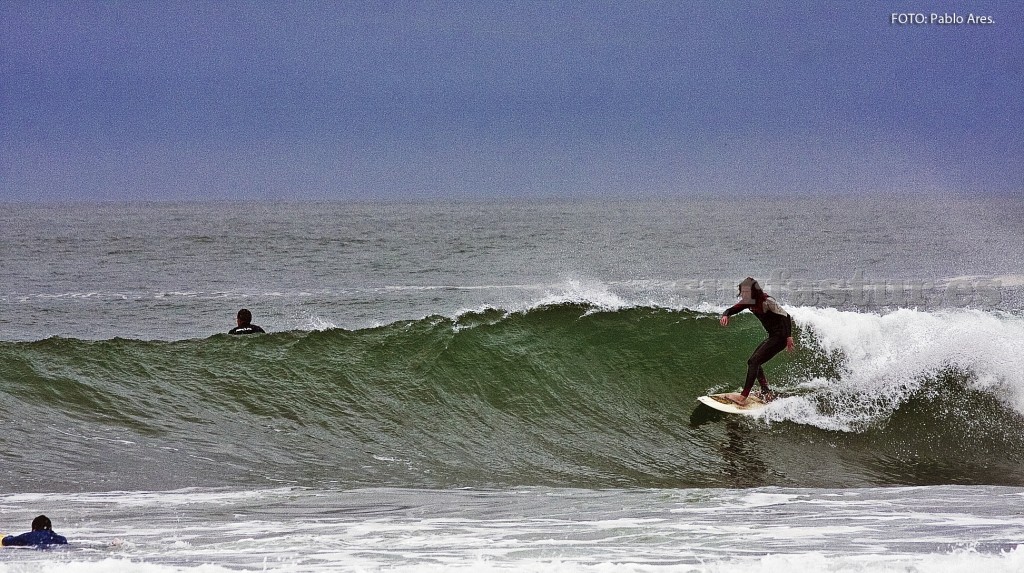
{"x": 567, "y": 395}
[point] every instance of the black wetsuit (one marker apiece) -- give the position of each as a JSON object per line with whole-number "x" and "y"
{"x": 779, "y": 325}
{"x": 38, "y": 538}
{"x": 246, "y": 329}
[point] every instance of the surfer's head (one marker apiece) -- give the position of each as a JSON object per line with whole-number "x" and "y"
{"x": 750, "y": 291}
{"x": 42, "y": 523}
{"x": 244, "y": 317}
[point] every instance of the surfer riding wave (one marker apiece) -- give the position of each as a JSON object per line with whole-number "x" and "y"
{"x": 776, "y": 322}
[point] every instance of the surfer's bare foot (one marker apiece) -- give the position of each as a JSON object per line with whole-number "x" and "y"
{"x": 738, "y": 398}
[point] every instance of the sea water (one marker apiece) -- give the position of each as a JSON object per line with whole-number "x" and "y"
{"x": 939, "y": 528}
{"x": 511, "y": 386}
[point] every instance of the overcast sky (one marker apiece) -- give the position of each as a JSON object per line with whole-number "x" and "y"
{"x": 339, "y": 100}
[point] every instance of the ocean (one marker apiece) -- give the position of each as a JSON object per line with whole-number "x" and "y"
{"x": 511, "y": 385}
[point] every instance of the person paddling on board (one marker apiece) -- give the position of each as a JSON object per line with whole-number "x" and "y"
{"x": 245, "y": 325}
{"x": 776, "y": 321}
{"x": 42, "y": 535}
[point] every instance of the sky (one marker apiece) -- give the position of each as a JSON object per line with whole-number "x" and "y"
{"x": 227, "y": 100}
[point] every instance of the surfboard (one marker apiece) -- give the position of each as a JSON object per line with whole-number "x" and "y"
{"x": 722, "y": 403}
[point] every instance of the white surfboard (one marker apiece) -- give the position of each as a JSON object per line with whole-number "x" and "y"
{"x": 722, "y": 403}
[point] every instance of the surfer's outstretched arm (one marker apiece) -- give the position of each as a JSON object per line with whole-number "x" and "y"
{"x": 724, "y": 321}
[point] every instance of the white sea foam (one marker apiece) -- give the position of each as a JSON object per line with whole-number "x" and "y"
{"x": 601, "y": 296}
{"x": 886, "y": 357}
{"x": 109, "y": 565}
{"x": 574, "y": 291}
{"x": 317, "y": 323}
{"x": 286, "y": 530}
{"x": 1011, "y": 561}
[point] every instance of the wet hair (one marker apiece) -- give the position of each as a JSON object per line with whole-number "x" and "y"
{"x": 245, "y": 316}
{"x": 42, "y": 523}
{"x": 755, "y": 289}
